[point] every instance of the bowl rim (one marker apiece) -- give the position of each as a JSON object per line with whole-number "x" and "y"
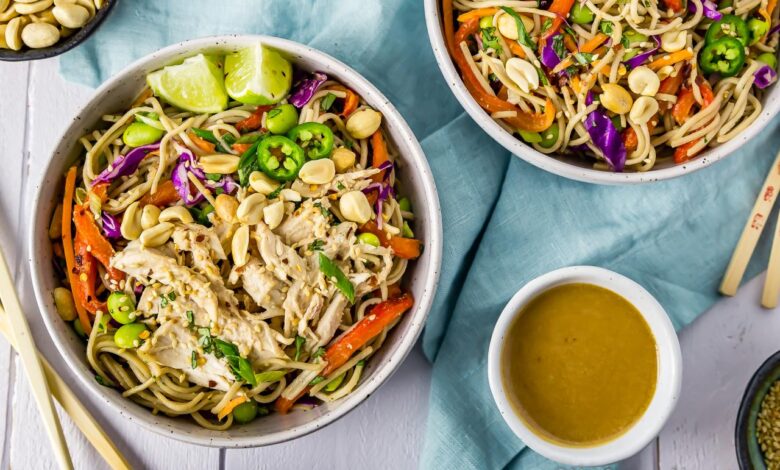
{"x": 405, "y": 343}
{"x": 744, "y": 427}
{"x": 668, "y": 384}
{"x": 60, "y": 47}
{"x": 563, "y": 168}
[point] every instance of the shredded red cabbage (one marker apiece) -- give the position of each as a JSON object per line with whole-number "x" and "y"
{"x": 765, "y": 76}
{"x": 640, "y": 59}
{"x": 306, "y": 88}
{"x": 478, "y": 40}
{"x": 606, "y": 138}
{"x": 125, "y": 165}
{"x": 774, "y": 29}
{"x": 384, "y": 191}
{"x": 710, "y": 9}
{"x": 549, "y": 57}
{"x": 110, "y": 226}
{"x": 181, "y": 182}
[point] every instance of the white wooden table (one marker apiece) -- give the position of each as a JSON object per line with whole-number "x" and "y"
{"x": 720, "y": 350}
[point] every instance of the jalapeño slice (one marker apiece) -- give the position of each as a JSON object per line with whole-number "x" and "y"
{"x": 314, "y": 138}
{"x": 724, "y": 56}
{"x": 280, "y": 158}
{"x": 730, "y": 26}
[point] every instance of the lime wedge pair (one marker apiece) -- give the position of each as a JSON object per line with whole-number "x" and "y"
{"x": 255, "y": 75}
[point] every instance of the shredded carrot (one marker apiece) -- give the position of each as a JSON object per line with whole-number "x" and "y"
{"x": 478, "y": 13}
{"x": 202, "y": 144}
{"x": 56, "y": 248}
{"x": 146, "y": 94}
{"x": 67, "y": 242}
{"x": 231, "y": 406}
{"x": 350, "y": 103}
{"x": 594, "y": 42}
{"x": 254, "y": 121}
{"x": 770, "y": 7}
{"x": 241, "y": 148}
{"x": 681, "y": 152}
{"x": 672, "y": 58}
{"x": 516, "y": 49}
{"x": 575, "y": 84}
{"x": 569, "y": 43}
{"x": 99, "y": 246}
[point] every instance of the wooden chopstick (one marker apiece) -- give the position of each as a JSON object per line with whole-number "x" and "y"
{"x": 772, "y": 281}
{"x": 26, "y": 349}
{"x": 752, "y": 231}
{"x": 71, "y": 404}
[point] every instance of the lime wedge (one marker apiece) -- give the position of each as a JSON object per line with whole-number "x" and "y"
{"x": 257, "y": 75}
{"x": 196, "y": 85}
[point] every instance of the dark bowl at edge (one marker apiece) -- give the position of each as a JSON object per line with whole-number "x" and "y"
{"x": 749, "y": 454}
{"x": 63, "y": 45}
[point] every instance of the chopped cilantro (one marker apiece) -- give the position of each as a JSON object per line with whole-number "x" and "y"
{"x": 172, "y": 296}
{"x": 327, "y": 101}
{"x": 191, "y": 319}
{"x": 318, "y": 353}
{"x": 316, "y": 245}
{"x": 299, "y": 342}
{"x": 99, "y": 379}
{"x": 194, "y": 360}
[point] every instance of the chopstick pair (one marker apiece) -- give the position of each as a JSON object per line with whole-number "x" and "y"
{"x": 749, "y": 239}
{"x": 45, "y": 381}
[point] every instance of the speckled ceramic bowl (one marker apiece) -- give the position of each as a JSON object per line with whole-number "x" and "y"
{"x": 748, "y": 453}
{"x": 114, "y": 96}
{"x": 570, "y": 167}
{"x": 64, "y": 44}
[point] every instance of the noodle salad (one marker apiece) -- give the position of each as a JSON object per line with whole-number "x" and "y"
{"x": 234, "y": 243}
{"x": 621, "y": 83}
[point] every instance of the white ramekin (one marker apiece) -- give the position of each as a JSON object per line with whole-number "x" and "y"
{"x": 571, "y": 167}
{"x": 114, "y": 96}
{"x": 667, "y": 388}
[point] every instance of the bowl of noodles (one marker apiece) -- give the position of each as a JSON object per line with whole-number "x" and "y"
{"x": 612, "y": 92}
{"x": 236, "y": 241}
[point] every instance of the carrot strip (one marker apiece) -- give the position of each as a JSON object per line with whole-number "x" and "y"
{"x": 571, "y": 46}
{"x": 86, "y": 272}
{"x": 405, "y": 248}
{"x": 674, "y": 5}
{"x": 379, "y": 154}
{"x": 350, "y": 103}
{"x": 682, "y": 107}
{"x": 241, "y": 148}
{"x": 561, "y": 8}
{"x": 681, "y": 152}
{"x": 98, "y": 245}
{"x": 338, "y": 353}
{"x": 672, "y": 58}
{"x": 67, "y": 242}
{"x": 231, "y": 405}
{"x": 478, "y": 13}
{"x": 531, "y": 122}
{"x": 146, "y": 94}
{"x": 165, "y": 195}
{"x": 254, "y": 121}
{"x": 202, "y": 144}
{"x": 449, "y": 26}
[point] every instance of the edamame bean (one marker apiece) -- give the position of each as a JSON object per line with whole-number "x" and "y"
{"x": 129, "y": 336}
{"x": 758, "y": 28}
{"x": 634, "y": 37}
{"x": 405, "y": 204}
{"x": 768, "y": 58}
{"x": 406, "y": 231}
{"x": 121, "y": 307}
{"x": 245, "y": 412}
{"x": 486, "y": 22}
{"x": 581, "y": 14}
{"x": 281, "y": 119}
{"x": 79, "y": 329}
{"x": 138, "y": 134}
{"x": 368, "y": 239}
{"x": 530, "y": 137}
{"x": 549, "y": 136}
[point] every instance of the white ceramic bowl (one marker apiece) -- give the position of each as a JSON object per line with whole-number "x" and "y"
{"x": 114, "y": 96}
{"x": 667, "y": 388}
{"x": 570, "y": 167}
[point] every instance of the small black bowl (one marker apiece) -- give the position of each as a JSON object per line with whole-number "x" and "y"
{"x": 748, "y": 452}
{"x": 63, "y": 45}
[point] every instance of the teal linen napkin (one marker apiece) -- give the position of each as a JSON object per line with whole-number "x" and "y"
{"x": 505, "y": 221}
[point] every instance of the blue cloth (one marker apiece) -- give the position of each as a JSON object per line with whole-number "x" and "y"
{"x": 505, "y": 221}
